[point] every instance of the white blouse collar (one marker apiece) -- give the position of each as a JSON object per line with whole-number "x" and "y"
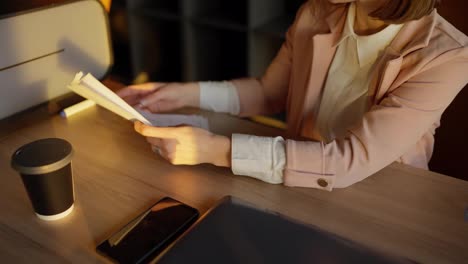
{"x": 368, "y": 47}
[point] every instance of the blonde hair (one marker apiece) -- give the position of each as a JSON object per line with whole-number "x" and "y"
{"x": 400, "y": 11}
{"x": 392, "y": 12}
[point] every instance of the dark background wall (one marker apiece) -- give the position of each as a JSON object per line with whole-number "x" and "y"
{"x": 174, "y": 40}
{"x": 451, "y": 147}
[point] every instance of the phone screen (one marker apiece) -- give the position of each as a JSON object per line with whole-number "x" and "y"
{"x": 148, "y": 234}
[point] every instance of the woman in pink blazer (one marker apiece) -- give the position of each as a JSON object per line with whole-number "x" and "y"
{"x": 408, "y": 84}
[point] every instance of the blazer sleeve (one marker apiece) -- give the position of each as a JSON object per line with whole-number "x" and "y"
{"x": 268, "y": 94}
{"x": 385, "y": 133}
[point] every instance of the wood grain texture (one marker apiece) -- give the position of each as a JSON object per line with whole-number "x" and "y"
{"x": 401, "y": 210}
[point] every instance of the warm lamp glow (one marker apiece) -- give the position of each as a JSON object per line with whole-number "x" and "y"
{"x": 107, "y": 4}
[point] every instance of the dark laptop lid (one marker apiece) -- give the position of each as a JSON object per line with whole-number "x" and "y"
{"x": 237, "y": 232}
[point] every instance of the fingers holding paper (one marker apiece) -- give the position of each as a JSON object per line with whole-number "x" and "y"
{"x": 187, "y": 145}
{"x": 162, "y": 97}
{"x": 133, "y": 94}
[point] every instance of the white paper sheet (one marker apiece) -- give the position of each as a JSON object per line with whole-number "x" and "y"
{"x": 170, "y": 120}
{"x": 92, "y": 89}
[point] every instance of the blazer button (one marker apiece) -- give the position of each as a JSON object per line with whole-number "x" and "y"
{"x": 322, "y": 183}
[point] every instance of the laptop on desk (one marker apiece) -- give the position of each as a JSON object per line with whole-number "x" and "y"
{"x": 237, "y": 232}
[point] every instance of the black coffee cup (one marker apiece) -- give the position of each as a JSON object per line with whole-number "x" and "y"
{"x": 45, "y": 167}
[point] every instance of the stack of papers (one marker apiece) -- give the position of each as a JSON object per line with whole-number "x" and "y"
{"x": 90, "y": 88}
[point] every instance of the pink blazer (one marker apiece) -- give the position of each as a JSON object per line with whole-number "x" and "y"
{"x": 414, "y": 81}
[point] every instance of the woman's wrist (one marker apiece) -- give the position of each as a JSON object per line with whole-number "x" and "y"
{"x": 222, "y": 151}
{"x": 192, "y": 92}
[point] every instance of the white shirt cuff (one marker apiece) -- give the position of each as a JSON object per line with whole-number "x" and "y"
{"x": 263, "y": 158}
{"x": 219, "y": 97}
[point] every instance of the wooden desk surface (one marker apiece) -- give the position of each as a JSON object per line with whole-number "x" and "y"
{"x": 400, "y": 210}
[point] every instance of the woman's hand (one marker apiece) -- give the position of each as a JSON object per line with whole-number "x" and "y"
{"x": 162, "y": 97}
{"x": 187, "y": 145}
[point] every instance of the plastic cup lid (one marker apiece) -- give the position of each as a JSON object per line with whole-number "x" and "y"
{"x": 42, "y": 156}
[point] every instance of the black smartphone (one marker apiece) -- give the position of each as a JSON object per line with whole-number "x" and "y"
{"x": 151, "y": 232}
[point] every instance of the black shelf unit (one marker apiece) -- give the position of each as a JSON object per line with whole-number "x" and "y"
{"x": 161, "y": 14}
{"x": 197, "y": 40}
{"x": 156, "y": 47}
{"x": 218, "y": 54}
{"x": 173, "y": 7}
{"x": 230, "y": 13}
{"x": 267, "y": 37}
{"x": 118, "y": 22}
